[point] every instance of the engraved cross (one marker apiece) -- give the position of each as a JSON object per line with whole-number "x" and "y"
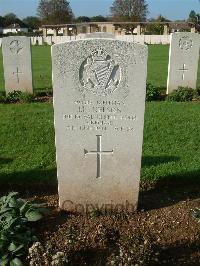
{"x": 183, "y": 69}
{"x": 99, "y": 153}
{"x": 17, "y": 74}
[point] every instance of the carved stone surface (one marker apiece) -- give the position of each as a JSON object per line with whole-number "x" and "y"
{"x": 183, "y": 60}
{"x": 17, "y": 64}
{"x": 99, "y": 98}
{"x": 99, "y": 73}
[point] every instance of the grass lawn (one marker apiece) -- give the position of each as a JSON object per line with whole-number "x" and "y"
{"x": 171, "y": 143}
{"x": 157, "y": 66}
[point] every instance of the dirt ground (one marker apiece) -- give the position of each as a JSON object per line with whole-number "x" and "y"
{"x": 161, "y": 232}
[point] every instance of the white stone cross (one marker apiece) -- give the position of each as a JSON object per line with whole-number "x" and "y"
{"x": 17, "y": 74}
{"x": 183, "y": 69}
{"x": 99, "y": 153}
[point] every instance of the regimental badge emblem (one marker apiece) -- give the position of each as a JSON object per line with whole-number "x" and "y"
{"x": 100, "y": 74}
{"x": 15, "y": 47}
{"x": 185, "y": 43}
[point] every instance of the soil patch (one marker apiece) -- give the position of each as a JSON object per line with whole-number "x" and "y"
{"x": 161, "y": 232}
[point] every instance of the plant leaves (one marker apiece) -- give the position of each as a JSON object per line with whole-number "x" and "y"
{"x": 16, "y": 262}
{"x": 3, "y": 261}
{"x": 33, "y": 216}
{"x": 24, "y": 208}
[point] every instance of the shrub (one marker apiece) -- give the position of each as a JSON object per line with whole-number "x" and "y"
{"x": 25, "y": 97}
{"x": 15, "y": 235}
{"x": 18, "y": 96}
{"x": 152, "y": 93}
{"x": 182, "y": 94}
{"x": 13, "y": 96}
{"x": 44, "y": 93}
{"x": 46, "y": 255}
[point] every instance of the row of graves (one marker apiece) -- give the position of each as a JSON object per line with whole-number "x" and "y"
{"x": 142, "y": 39}
{"x": 99, "y": 87}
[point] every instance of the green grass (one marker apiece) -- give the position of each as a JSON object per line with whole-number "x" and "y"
{"x": 41, "y": 56}
{"x": 171, "y": 142}
{"x": 157, "y": 66}
{"x": 170, "y": 152}
{"x": 27, "y": 151}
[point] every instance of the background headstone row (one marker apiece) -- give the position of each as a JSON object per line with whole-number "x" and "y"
{"x": 182, "y": 67}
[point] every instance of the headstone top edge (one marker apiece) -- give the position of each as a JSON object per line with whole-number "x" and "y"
{"x": 101, "y": 40}
{"x": 16, "y": 37}
{"x": 185, "y": 33}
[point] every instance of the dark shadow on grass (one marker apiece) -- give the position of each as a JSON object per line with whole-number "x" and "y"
{"x": 169, "y": 190}
{"x": 156, "y": 160}
{"x": 35, "y": 182}
{"x": 5, "y": 160}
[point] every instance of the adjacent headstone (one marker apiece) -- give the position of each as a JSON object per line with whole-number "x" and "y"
{"x": 139, "y": 39}
{"x": 48, "y": 40}
{"x": 100, "y": 35}
{"x": 99, "y": 99}
{"x": 183, "y": 60}
{"x": 147, "y": 39}
{"x": 155, "y": 39}
{"x": 165, "y": 39}
{"x": 40, "y": 40}
{"x": 127, "y": 38}
{"x": 17, "y": 64}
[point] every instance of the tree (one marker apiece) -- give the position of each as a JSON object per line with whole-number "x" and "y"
{"x": 2, "y": 21}
{"x": 55, "y": 11}
{"x": 32, "y": 22}
{"x": 10, "y": 19}
{"x": 82, "y": 19}
{"x": 129, "y": 10}
{"x": 98, "y": 19}
{"x": 156, "y": 28}
{"x": 192, "y": 16}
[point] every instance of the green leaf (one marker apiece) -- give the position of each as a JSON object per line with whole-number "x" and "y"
{"x": 24, "y": 208}
{"x": 19, "y": 250}
{"x": 16, "y": 262}
{"x": 33, "y": 216}
{"x": 2, "y": 211}
{"x": 12, "y": 247}
{"x": 4, "y": 262}
{"x": 13, "y": 203}
{"x": 11, "y": 195}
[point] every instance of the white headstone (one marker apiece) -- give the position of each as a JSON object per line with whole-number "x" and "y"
{"x": 40, "y": 40}
{"x": 99, "y": 35}
{"x": 48, "y": 40}
{"x": 17, "y": 64}
{"x": 139, "y": 39}
{"x": 99, "y": 100}
{"x": 127, "y": 38}
{"x": 183, "y": 60}
{"x": 147, "y": 39}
